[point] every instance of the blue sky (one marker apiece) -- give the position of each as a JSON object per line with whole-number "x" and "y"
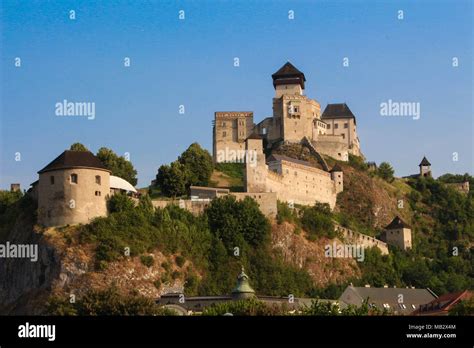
{"x": 190, "y": 63}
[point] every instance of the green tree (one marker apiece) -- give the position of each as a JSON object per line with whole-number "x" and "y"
{"x": 198, "y": 164}
{"x": 78, "y": 147}
{"x": 317, "y": 221}
{"x": 385, "y": 171}
{"x": 119, "y": 203}
{"x": 465, "y": 307}
{"x": 172, "y": 179}
{"x": 118, "y": 165}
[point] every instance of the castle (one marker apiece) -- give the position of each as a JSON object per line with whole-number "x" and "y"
{"x": 295, "y": 117}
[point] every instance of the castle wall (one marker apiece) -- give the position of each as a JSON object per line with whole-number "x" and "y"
{"x": 230, "y": 131}
{"x": 332, "y": 145}
{"x": 362, "y": 239}
{"x": 267, "y": 203}
{"x": 64, "y": 202}
{"x": 301, "y": 184}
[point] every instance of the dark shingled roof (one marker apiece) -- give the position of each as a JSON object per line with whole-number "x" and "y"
{"x": 288, "y": 74}
{"x": 336, "y": 168}
{"x": 73, "y": 159}
{"x": 424, "y": 162}
{"x": 397, "y": 223}
{"x": 337, "y": 111}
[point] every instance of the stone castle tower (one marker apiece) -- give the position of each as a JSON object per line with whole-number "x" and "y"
{"x": 72, "y": 189}
{"x": 398, "y": 233}
{"x": 295, "y": 118}
{"x": 425, "y": 167}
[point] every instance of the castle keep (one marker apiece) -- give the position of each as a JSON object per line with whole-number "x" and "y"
{"x": 295, "y": 117}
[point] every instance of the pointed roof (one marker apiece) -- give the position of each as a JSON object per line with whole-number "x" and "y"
{"x": 336, "y": 168}
{"x": 396, "y": 223}
{"x": 74, "y": 159}
{"x": 288, "y": 74}
{"x": 337, "y": 111}
{"x": 243, "y": 285}
{"x": 424, "y": 162}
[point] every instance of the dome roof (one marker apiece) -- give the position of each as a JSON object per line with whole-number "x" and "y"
{"x": 121, "y": 184}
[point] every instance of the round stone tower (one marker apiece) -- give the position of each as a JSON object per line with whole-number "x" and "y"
{"x": 72, "y": 189}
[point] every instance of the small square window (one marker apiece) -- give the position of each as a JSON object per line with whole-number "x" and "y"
{"x": 73, "y": 178}
{"x": 346, "y": 125}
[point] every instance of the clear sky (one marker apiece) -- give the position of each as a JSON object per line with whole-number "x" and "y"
{"x": 191, "y": 62}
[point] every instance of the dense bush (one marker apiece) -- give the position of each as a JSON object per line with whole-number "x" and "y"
{"x": 385, "y": 171}
{"x": 248, "y": 307}
{"x": 318, "y": 221}
{"x": 105, "y": 302}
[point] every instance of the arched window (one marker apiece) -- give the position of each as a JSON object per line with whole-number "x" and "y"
{"x": 97, "y": 179}
{"x": 73, "y": 178}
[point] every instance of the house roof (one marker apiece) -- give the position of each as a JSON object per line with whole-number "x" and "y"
{"x": 380, "y": 297}
{"x": 424, "y": 162}
{"x": 397, "y": 222}
{"x": 443, "y": 303}
{"x": 337, "y": 111}
{"x": 288, "y": 74}
{"x": 74, "y": 159}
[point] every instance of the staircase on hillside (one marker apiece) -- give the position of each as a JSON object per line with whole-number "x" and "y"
{"x": 314, "y": 152}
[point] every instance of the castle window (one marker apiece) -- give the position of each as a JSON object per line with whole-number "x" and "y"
{"x": 224, "y": 134}
{"x": 329, "y": 126}
{"x": 51, "y": 180}
{"x": 346, "y": 125}
{"x": 97, "y": 179}
{"x": 97, "y": 193}
{"x": 343, "y": 136}
{"x": 336, "y": 125}
{"x": 73, "y": 178}
{"x": 223, "y": 124}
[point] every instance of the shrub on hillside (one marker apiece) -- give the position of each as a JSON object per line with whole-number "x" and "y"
{"x": 105, "y": 302}
{"x": 318, "y": 222}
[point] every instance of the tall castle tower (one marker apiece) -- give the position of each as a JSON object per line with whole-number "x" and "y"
{"x": 293, "y": 112}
